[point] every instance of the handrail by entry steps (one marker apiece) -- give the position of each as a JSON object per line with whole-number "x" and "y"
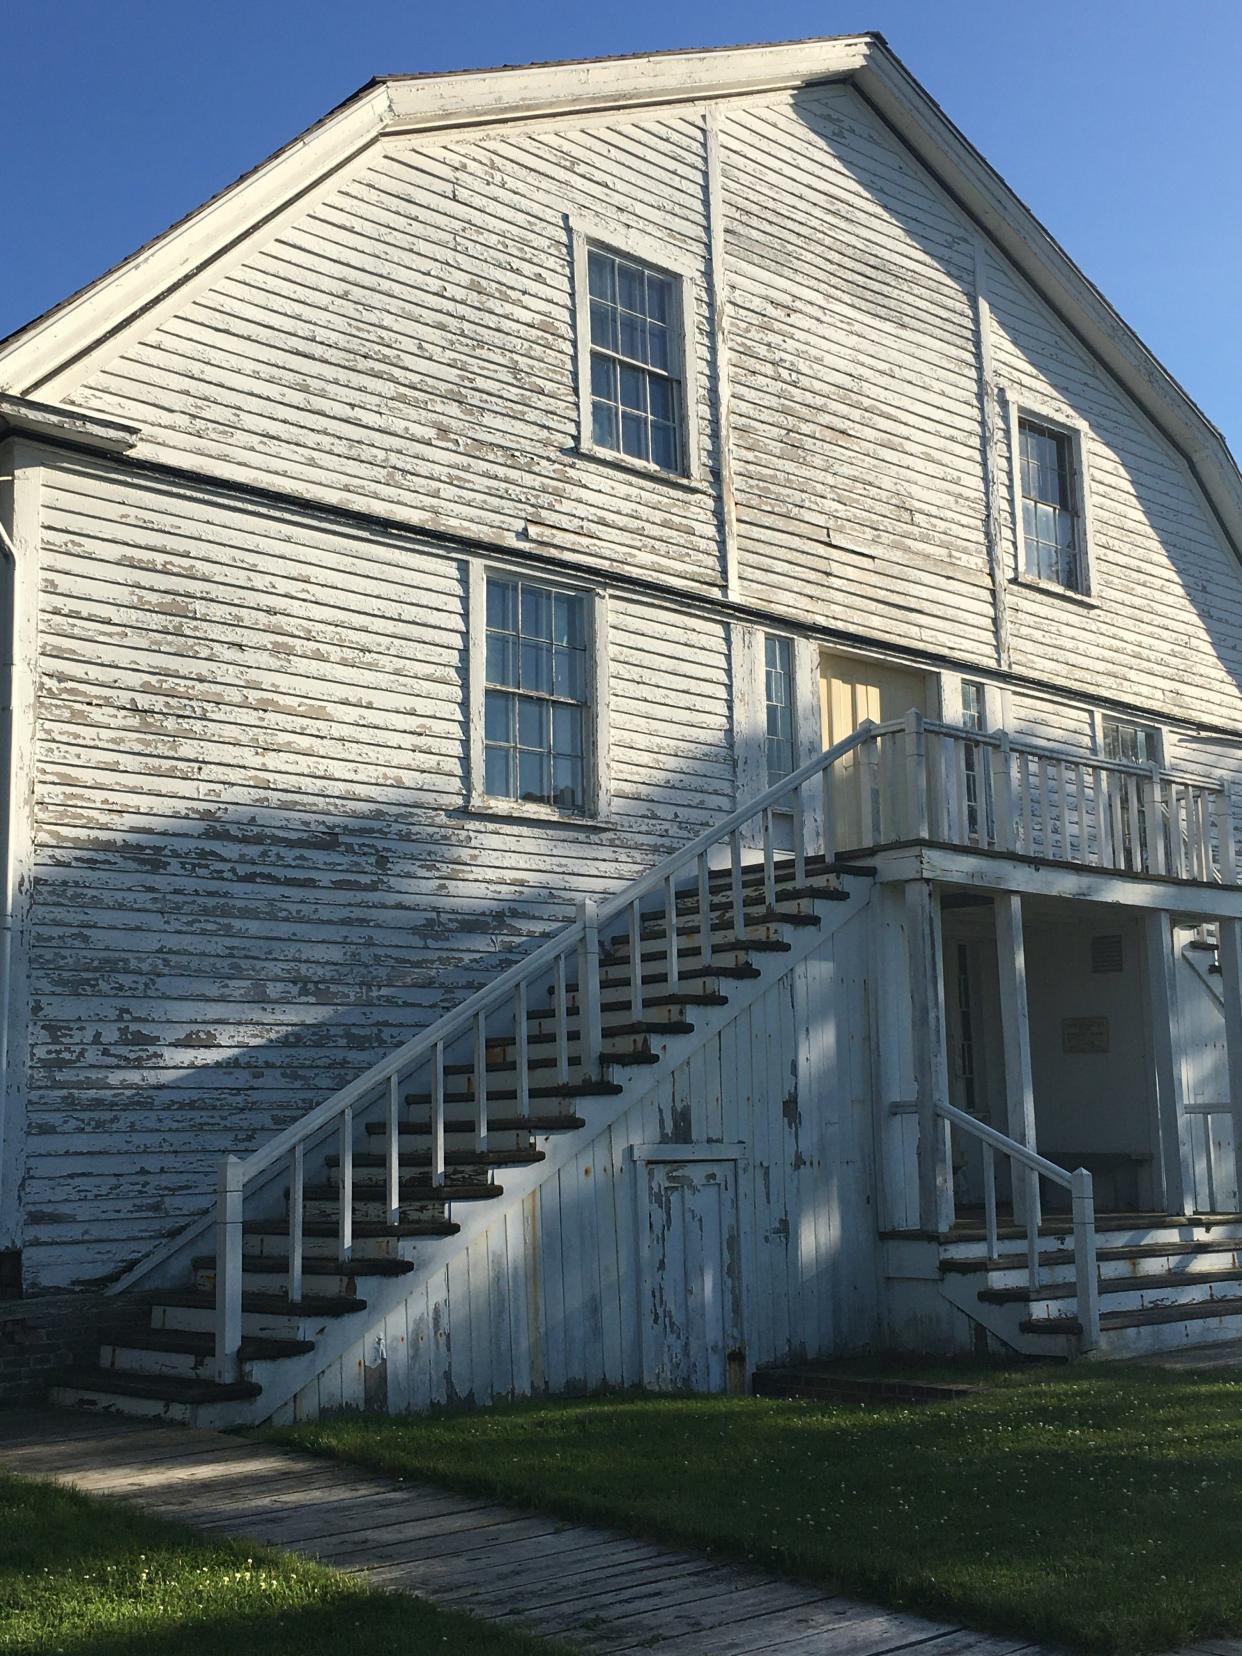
{"x": 1035, "y": 1167}
{"x": 579, "y": 943}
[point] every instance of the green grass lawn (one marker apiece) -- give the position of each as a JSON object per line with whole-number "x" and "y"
{"x": 81, "y": 1576}
{"x": 1098, "y": 1505}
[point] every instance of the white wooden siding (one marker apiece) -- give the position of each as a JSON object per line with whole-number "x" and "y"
{"x": 548, "y": 1298}
{"x": 407, "y": 346}
{"x": 254, "y": 870}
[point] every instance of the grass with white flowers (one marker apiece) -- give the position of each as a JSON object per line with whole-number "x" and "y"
{"x": 1097, "y": 1504}
{"x": 82, "y": 1576}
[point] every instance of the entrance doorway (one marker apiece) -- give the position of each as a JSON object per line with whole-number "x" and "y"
{"x": 852, "y": 689}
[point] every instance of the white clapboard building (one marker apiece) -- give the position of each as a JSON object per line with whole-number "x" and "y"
{"x": 624, "y": 695}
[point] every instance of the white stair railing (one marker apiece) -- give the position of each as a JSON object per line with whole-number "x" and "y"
{"x": 1029, "y": 1168}
{"x": 989, "y": 790}
{"x": 575, "y": 948}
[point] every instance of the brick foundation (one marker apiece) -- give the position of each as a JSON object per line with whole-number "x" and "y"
{"x": 49, "y": 1332}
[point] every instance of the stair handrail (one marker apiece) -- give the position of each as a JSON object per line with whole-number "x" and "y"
{"x": 580, "y": 935}
{"x": 1080, "y": 1185}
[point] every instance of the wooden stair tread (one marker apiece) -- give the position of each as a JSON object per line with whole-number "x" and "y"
{"x": 368, "y": 1229}
{"x": 1065, "y": 1256}
{"x": 167, "y": 1388}
{"x": 410, "y": 1191}
{"x": 371, "y": 1159}
{"x": 322, "y": 1305}
{"x": 1111, "y": 1285}
{"x": 495, "y": 1124}
{"x": 1193, "y": 1311}
{"x": 255, "y": 1348}
{"x": 314, "y": 1265}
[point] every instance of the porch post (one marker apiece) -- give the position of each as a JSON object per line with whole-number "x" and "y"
{"x": 1166, "y": 1040}
{"x": 1015, "y": 1036}
{"x": 1230, "y": 952}
{"x": 931, "y": 1065}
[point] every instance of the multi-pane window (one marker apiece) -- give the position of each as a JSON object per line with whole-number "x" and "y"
{"x": 635, "y": 374}
{"x": 1132, "y": 744}
{"x": 534, "y": 721}
{"x": 778, "y": 694}
{"x": 972, "y": 719}
{"x": 1050, "y": 505}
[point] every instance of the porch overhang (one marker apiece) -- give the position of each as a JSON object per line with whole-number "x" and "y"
{"x": 1194, "y": 900}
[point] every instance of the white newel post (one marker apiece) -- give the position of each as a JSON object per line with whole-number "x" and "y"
{"x": 1016, "y": 1041}
{"x": 931, "y": 1065}
{"x": 229, "y": 1204}
{"x": 1170, "y": 1078}
{"x": 1230, "y": 951}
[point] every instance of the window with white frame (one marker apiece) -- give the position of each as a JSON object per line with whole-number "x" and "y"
{"x": 1052, "y": 505}
{"x": 636, "y": 368}
{"x": 778, "y": 691}
{"x": 537, "y": 686}
{"x": 975, "y": 766}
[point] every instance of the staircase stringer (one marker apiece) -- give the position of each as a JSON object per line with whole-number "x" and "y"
{"x": 384, "y": 1295}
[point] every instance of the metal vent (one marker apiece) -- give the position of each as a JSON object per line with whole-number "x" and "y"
{"x": 1106, "y": 954}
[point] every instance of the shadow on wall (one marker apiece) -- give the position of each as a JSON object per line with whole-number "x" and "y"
{"x": 196, "y": 985}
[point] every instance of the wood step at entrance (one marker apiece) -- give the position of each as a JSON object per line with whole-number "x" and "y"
{"x": 1196, "y": 1311}
{"x": 542, "y": 1033}
{"x": 409, "y": 1190}
{"x": 1130, "y": 1264}
{"x": 262, "y": 1314}
{"x": 191, "y": 1355}
{"x": 759, "y": 924}
{"x": 730, "y": 952}
{"x": 614, "y": 979}
{"x": 165, "y": 1396}
{"x": 1138, "y": 1293}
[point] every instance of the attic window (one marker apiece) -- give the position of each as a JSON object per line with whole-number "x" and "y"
{"x": 1051, "y": 493}
{"x": 1106, "y": 955}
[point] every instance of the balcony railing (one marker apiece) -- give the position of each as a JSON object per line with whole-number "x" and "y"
{"x": 919, "y": 779}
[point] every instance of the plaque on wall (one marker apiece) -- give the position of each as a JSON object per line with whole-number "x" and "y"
{"x": 1084, "y": 1035}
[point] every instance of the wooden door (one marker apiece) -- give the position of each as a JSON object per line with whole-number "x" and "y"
{"x": 692, "y": 1297}
{"x": 851, "y": 690}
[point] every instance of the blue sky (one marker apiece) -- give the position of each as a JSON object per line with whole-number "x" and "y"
{"x": 1117, "y": 121}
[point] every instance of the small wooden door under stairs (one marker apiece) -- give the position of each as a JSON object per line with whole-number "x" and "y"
{"x": 690, "y": 1270}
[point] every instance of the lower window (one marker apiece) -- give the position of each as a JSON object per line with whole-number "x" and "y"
{"x": 536, "y": 695}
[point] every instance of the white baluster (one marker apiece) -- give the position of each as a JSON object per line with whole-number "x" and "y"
{"x": 989, "y": 1201}
{"x": 229, "y": 1205}
{"x": 297, "y": 1185}
{"x": 705, "y": 909}
{"x": 1002, "y": 792}
{"x": 392, "y": 1146}
{"x": 1080, "y": 813}
{"x": 799, "y": 839}
{"x": 345, "y": 1187}
{"x": 521, "y": 1041}
{"x": 480, "y": 1082}
{"x": 590, "y": 1011}
{"x": 636, "y": 963}
{"x": 1025, "y": 804}
{"x": 1224, "y": 834}
{"x": 562, "y": 1022}
{"x": 1156, "y": 861}
{"x": 1032, "y": 1227}
{"x": 1086, "y": 1268}
{"x": 672, "y": 963}
{"x": 735, "y": 876}
{"x": 437, "y": 1115}
{"x": 769, "y": 861}
{"x": 1131, "y": 784}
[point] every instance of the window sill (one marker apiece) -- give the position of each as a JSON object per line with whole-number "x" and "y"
{"x": 641, "y": 468}
{"x": 513, "y": 810}
{"x": 1053, "y": 589}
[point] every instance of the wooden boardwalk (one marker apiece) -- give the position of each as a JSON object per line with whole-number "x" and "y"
{"x": 593, "y": 1588}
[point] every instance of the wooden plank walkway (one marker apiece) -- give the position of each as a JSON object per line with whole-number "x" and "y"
{"x": 592, "y": 1588}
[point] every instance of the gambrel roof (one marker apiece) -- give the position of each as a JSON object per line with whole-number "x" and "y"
{"x": 39, "y": 360}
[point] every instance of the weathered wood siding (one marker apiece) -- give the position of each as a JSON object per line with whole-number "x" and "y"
{"x": 254, "y": 867}
{"x": 856, "y": 422}
{"x": 1166, "y": 631}
{"x": 407, "y": 345}
{"x": 550, "y": 1298}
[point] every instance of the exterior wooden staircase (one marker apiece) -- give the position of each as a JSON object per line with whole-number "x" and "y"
{"x": 396, "y": 1185}
{"x": 1164, "y": 1282}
